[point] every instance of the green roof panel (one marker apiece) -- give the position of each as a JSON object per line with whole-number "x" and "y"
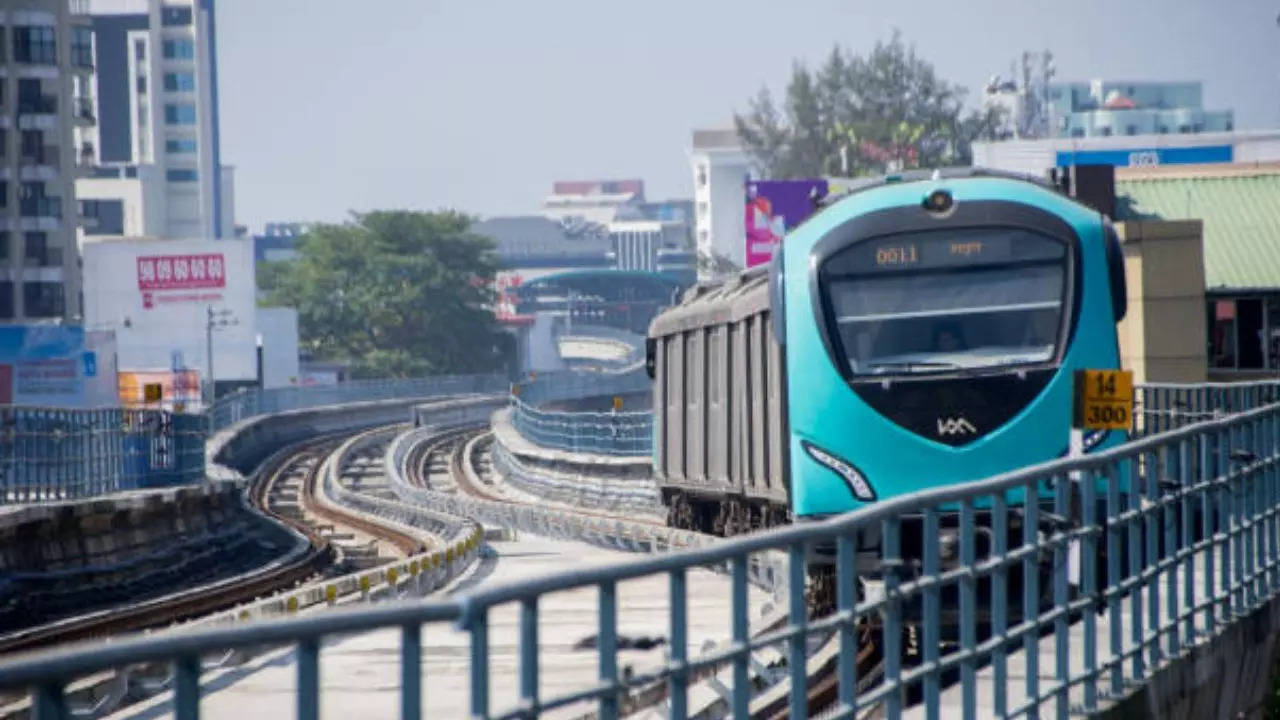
{"x": 1241, "y": 217}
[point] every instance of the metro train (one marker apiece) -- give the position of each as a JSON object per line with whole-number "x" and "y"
{"x": 920, "y": 331}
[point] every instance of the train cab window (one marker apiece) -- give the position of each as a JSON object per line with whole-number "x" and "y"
{"x": 945, "y": 301}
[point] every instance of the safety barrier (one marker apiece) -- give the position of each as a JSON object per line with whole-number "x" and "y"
{"x": 1165, "y": 406}
{"x": 618, "y": 432}
{"x": 240, "y": 406}
{"x": 49, "y": 454}
{"x": 1149, "y": 548}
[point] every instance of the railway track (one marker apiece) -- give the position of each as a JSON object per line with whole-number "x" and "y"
{"x": 284, "y": 489}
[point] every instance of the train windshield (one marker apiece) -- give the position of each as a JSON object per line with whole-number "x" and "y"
{"x": 945, "y": 301}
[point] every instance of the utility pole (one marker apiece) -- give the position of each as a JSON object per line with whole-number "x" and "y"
{"x": 215, "y": 319}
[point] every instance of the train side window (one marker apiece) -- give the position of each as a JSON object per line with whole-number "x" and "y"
{"x": 1115, "y": 270}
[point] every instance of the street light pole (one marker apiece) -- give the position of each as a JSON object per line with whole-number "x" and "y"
{"x": 214, "y": 319}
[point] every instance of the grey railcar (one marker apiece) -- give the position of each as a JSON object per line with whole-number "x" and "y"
{"x": 720, "y": 430}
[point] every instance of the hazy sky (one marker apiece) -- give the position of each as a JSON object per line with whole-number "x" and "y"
{"x": 331, "y": 105}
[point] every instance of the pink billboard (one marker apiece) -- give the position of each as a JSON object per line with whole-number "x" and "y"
{"x": 774, "y": 208}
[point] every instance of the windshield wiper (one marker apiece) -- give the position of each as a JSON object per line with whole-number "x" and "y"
{"x": 913, "y": 365}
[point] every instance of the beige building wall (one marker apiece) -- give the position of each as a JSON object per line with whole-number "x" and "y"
{"x": 1162, "y": 338}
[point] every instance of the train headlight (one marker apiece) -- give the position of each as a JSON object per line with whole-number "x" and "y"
{"x": 938, "y": 201}
{"x": 857, "y": 482}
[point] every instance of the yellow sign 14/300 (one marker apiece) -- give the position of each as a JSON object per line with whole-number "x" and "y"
{"x": 1103, "y": 400}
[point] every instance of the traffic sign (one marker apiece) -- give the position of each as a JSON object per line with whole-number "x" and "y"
{"x": 1102, "y": 400}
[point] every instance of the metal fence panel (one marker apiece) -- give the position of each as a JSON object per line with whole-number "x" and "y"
{"x": 1129, "y": 545}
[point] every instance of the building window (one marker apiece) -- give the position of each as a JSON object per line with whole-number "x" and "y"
{"x": 1227, "y": 127}
{"x": 175, "y": 16}
{"x": 702, "y": 176}
{"x": 35, "y": 44}
{"x": 1077, "y": 132}
{"x": 179, "y": 49}
{"x": 179, "y": 82}
{"x": 43, "y": 299}
{"x": 4, "y": 247}
{"x": 82, "y": 46}
{"x": 37, "y": 253}
{"x": 6, "y": 300}
{"x": 4, "y": 148}
{"x": 141, "y": 84}
{"x": 4, "y": 194}
{"x": 180, "y": 146}
{"x": 140, "y": 50}
{"x": 180, "y": 114}
{"x": 181, "y": 175}
{"x": 1164, "y": 129}
{"x": 3, "y": 56}
{"x": 1131, "y": 130}
{"x": 1184, "y": 129}
{"x": 1104, "y": 131}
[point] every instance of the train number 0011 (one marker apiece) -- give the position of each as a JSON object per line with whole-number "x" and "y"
{"x": 897, "y": 255}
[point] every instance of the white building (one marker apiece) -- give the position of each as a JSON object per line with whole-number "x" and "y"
{"x": 156, "y": 294}
{"x": 596, "y": 202}
{"x": 46, "y": 67}
{"x": 160, "y": 171}
{"x": 1037, "y": 156}
{"x": 721, "y": 168}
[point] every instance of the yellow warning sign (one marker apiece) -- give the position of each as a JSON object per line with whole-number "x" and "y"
{"x": 1103, "y": 400}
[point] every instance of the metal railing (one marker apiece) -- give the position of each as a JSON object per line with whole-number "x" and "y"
{"x": 624, "y": 432}
{"x": 1148, "y": 548}
{"x": 49, "y": 454}
{"x": 1165, "y": 406}
{"x": 244, "y": 405}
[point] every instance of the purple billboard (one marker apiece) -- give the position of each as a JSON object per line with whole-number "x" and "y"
{"x": 774, "y": 208}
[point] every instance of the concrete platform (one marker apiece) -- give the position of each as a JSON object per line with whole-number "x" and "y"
{"x": 360, "y": 674}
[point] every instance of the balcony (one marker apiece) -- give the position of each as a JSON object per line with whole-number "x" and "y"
{"x": 42, "y": 256}
{"x": 46, "y": 155}
{"x": 37, "y": 105}
{"x": 83, "y": 111}
{"x": 50, "y": 207}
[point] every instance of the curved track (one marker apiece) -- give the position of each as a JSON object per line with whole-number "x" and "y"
{"x": 283, "y": 489}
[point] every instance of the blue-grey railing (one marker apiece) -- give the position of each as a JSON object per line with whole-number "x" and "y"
{"x": 1164, "y": 406}
{"x": 598, "y": 429}
{"x": 1146, "y": 550}
{"x": 243, "y": 405}
{"x": 50, "y": 454}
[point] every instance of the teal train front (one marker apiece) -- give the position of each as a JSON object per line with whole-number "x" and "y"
{"x": 919, "y": 332}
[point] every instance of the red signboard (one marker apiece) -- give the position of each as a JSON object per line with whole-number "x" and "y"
{"x": 181, "y": 272}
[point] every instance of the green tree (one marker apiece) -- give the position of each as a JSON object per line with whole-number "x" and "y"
{"x": 397, "y": 294}
{"x": 856, "y": 115}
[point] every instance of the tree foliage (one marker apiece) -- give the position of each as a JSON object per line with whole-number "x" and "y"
{"x": 396, "y": 294}
{"x": 856, "y": 115}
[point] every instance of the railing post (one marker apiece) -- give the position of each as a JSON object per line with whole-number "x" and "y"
{"x": 410, "y": 671}
{"x": 529, "y": 654}
{"x": 479, "y": 628}
{"x": 741, "y": 639}
{"x": 1135, "y": 567}
{"x": 308, "y": 679}
{"x": 1031, "y": 588}
{"x": 186, "y": 701}
{"x": 932, "y": 622}
{"x": 1000, "y": 601}
{"x": 607, "y": 645}
{"x": 49, "y": 702}
{"x": 798, "y": 618}
{"x": 846, "y": 599}
{"x": 891, "y": 561}
{"x": 678, "y": 683}
{"x": 1151, "y": 522}
{"x": 1089, "y": 585}
{"x": 1061, "y": 508}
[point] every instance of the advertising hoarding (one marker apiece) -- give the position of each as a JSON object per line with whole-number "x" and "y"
{"x": 774, "y": 208}
{"x": 56, "y": 366}
{"x": 156, "y": 295}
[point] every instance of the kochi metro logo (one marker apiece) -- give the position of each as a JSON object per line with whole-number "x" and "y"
{"x": 955, "y": 426}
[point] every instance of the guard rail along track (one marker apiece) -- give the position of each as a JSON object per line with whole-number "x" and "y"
{"x": 1227, "y": 468}
{"x": 455, "y": 547}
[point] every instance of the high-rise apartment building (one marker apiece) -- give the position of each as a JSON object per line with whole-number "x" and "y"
{"x": 46, "y": 129}
{"x": 159, "y": 163}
